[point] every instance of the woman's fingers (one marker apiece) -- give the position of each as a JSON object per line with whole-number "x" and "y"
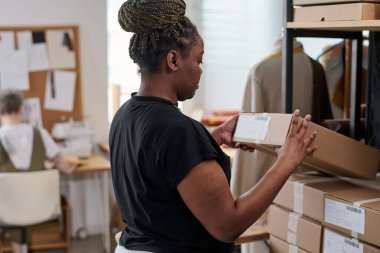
{"x": 294, "y": 126}
{"x": 304, "y": 126}
{"x": 310, "y": 139}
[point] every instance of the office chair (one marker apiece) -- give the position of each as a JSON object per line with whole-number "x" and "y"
{"x": 29, "y": 198}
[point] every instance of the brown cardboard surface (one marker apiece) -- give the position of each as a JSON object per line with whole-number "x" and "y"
{"x": 337, "y": 12}
{"x": 315, "y": 2}
{"x": 336, "y": 153}
{"x": 313, "y": 194}
{"x": 307, "y": 233}
{"x": 372, "y": 212}
{"x": 348, "y": 241}
{"x": 279, "y": 246}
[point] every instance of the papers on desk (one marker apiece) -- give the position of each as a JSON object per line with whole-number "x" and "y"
{"x": 35, "y": 45}
{"x": 60, "y": 91}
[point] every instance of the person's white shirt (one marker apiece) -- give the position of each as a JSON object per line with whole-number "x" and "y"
{"x": 17, "y": 141}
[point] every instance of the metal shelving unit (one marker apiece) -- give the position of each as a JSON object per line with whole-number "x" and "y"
{"x": 345, "y": 30}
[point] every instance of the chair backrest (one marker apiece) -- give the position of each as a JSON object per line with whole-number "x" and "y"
{"x": 28, "y": 198}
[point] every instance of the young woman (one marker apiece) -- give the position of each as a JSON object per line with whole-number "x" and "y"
{"x": 170, "y": 177}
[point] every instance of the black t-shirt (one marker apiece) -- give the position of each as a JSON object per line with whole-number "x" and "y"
{"x": 153, "y": 146}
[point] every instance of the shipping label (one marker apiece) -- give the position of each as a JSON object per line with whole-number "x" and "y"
{"x": 346, "y": 216}
{"x": 335, "y": 243}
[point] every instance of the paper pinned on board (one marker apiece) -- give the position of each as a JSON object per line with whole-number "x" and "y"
{"x": 32, "y": 111}
{"x": 61, "y": 48}
{"x": 14, "y": 74}
{"x": 34, "y": 43}
{"x": 60, "y": 91}
{"x": 7, "y": 43}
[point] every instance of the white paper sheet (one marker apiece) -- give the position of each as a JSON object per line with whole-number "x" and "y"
{"x": 7, "y": 43}
{"x": 37, "y": 52}
{"x": 60, "y": 47}
{"x": 14, "y": 74}
{"x": 60, "y": 91}
{"x": 252, "y": 127}
{"x": 32, "y": 111}
{"x": 335, "y": 243}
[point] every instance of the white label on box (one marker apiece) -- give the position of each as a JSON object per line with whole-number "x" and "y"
{"x": 345, "y": 216}
{"x": 253, "y": 127}
{"x": 335, "y": 243}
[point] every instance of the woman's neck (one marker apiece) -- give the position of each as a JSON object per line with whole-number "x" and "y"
{"x": 157, "y": 85}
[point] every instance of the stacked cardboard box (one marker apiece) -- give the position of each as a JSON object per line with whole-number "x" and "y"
{"x": 312, "y": 210}
{"x": 309, "y": 204}
{"x": 335, "y": 10}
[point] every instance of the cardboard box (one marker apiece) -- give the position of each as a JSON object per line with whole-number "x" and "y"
{"x": 315, "y": 2}
{"x": 337, "y": 243}
{"x": 336, "y": 153}
{"x": 295, "y": 229}
{"x": 355, "y": 213}
{"x": 305, "y": 194}
{"x": 279, "y": 246}
{"x": 337, "y": 12}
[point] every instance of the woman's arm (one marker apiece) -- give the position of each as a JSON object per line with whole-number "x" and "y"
{"x": 59, "y": 163}
{"x": 206, "y": 192}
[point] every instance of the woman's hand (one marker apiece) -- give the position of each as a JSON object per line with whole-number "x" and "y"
{"x": 226, "y": 131}
{"x": 296, "y": 146}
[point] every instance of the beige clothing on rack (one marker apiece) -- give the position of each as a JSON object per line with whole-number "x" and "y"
{"x": 263, "y": 94}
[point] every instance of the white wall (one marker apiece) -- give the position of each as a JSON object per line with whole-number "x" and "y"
{"x": 237, "y": 34}
{"x": 90, "y": 16}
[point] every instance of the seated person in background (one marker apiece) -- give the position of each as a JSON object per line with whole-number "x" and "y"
{"x": 22, "y": 146}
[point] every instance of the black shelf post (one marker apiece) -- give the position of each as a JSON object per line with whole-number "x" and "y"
{"x": 287, "y": 65}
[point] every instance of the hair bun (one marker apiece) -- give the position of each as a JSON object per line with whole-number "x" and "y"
{"x": 147, "y": 15}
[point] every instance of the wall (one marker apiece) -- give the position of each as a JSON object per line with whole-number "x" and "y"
{"x": 236, "y": 34}
{"x": 90, "y": 15}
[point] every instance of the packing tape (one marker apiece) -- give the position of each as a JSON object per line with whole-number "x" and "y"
{"x": 298, "y": 191}
{"x": 291, "y": 237}
{"x": 292, "y": 249}
{"x": 293, "y": 219}
{"x": 359, "y": 204}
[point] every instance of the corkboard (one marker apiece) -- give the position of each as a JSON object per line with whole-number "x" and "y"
{"x": 38, "y": 79}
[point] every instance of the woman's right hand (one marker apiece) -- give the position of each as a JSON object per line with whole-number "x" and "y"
{"x": 297, "y": 146}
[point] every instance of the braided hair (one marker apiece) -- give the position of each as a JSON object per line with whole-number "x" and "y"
{"x": 158, "y": 26}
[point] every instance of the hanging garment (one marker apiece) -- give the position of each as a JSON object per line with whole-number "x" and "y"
{"x": 263, "y": 94}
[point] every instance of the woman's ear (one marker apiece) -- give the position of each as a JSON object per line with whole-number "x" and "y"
{"x": 172, "y": 59}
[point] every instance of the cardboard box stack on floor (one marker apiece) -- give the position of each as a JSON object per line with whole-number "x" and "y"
{"x": 317, "y": 212}
{"x": 335, "y": 10}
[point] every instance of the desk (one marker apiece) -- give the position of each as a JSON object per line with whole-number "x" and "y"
{"x": 97, "y": 164}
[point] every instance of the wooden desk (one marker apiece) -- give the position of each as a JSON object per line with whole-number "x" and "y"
{"x": 98, "y": 164}
{"x": 93, "y": 164}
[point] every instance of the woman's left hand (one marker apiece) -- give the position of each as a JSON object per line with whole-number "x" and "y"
{"x": 226, "y": 134}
